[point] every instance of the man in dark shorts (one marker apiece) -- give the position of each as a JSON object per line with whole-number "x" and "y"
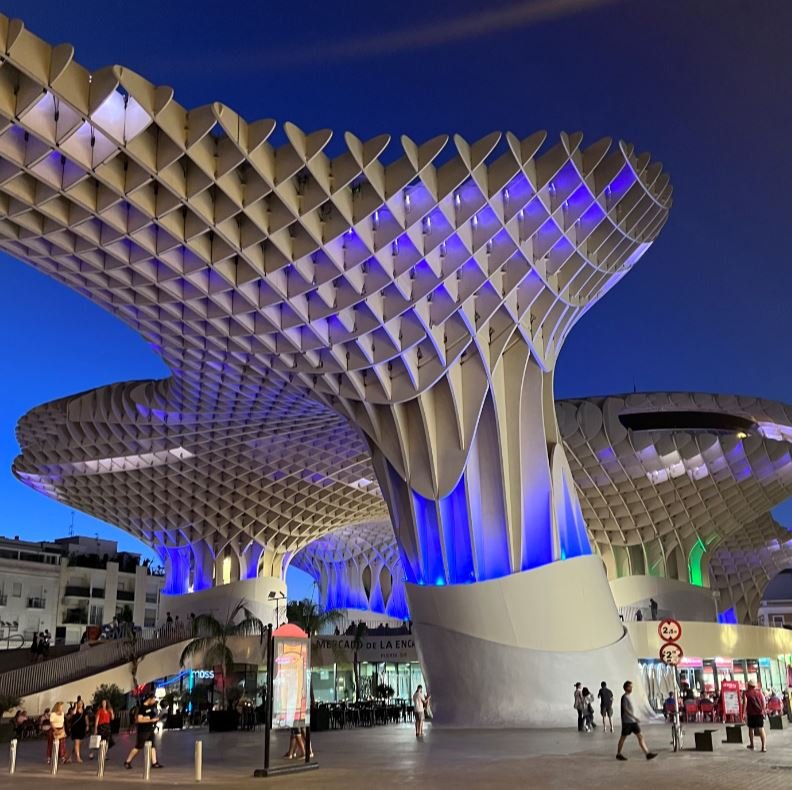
{"x": 606, "y": 705}
{"x": 754, "y": 714}
{"x": 147, "y": 718}
{"x": 630, "y": 725}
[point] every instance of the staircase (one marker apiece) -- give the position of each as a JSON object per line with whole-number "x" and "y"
{"x": 88, "y": 660}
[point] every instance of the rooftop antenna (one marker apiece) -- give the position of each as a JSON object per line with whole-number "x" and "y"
{"x": 71, "y": 526}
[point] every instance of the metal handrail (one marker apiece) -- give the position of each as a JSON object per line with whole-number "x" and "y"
{"x": 87, "y": 661}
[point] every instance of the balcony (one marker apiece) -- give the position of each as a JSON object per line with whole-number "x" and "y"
{"x": 36, "y": 603}
{"x": 74, "y": 591}
{"x": 124, "y": 595}
{"x": 97, "y": 592}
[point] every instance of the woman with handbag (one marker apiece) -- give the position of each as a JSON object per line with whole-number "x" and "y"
{"x": 57, "y": 734}
{"x": 104, "y": 715}
{"x": 79, "y": 728}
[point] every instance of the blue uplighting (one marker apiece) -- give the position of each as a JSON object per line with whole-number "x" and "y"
{"x": 729, "y": 617}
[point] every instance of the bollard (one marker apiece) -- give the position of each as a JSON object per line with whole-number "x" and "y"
{"x": 198, "y": 761}
{"x": 54, "y": 756}
{"x": 12, "y": 749}
{"x": 147, "y": 761}
{"x": 100, "y": 766}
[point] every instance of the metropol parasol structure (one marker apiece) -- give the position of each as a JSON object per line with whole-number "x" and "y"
{"x": 359, "y": 335}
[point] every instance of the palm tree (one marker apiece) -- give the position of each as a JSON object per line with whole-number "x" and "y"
{"x": 311, "y": 617}
{"x": 212, "y": 635}
{"x": 134, "y": 656}
{"x": 361, "y": 629}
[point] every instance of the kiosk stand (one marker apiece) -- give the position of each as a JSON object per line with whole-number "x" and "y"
{"x": 287, "y": 705}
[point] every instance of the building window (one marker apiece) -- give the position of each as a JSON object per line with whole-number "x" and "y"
{"x": 150, "y": 618}
{"x": 17, "y": 591}
{"x": 97, "y": 613}
{"x": 151, "y": 597}
{"x": 778, "y": 619}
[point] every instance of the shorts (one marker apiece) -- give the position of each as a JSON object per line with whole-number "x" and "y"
{"x": 606, "y": 712}
{"x": 142, "y": 737}
{"x": 630, "y": 728}
{"x": 419, "y": 715}
{"x": 755, "y": 722}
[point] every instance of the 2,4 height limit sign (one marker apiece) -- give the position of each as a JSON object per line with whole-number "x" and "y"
{"x": 669, "y": 630}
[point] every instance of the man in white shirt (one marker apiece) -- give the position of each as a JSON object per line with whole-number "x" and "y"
{"x": 419, "y": 709}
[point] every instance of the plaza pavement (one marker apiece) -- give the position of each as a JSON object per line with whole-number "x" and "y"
{"x": 390, "y": 757}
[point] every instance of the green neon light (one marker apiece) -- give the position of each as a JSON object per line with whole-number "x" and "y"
{"x": 694, "y": 564}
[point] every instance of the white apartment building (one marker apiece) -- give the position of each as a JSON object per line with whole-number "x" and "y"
{"x": 69, "y": 584}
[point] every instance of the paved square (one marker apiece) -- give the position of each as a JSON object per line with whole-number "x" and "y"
{"x": 390, "y": 757}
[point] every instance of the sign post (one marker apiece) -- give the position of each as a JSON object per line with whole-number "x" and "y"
{"x": 288, "y": 703}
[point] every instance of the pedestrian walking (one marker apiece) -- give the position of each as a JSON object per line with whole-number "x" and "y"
{"x": 588, "y": 710}
{"x": 605, "y": 696}
{"x": 630, "y": 725}
{"x": 755, "y": 711}
{"x": 653, "y": 607}
{"x": 102, "y": 727}
{"x": 578, "y": 705}
{"x": 147, "y": 719}
{"x": 34, "y": 648}
{"x": 420, "y": 702}
{"x": 57, "y": 734}
{"x": 79, "y": 729}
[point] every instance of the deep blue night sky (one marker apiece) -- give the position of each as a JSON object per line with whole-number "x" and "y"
{"x": 702, "y": 85}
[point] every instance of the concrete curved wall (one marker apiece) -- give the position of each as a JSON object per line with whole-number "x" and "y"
{"x": 674, "y": 598}
{"x": 507, "y": 652}
{"x": 220, "y": 600}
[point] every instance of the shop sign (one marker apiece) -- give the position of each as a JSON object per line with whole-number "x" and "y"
{"x": 730, "y": 695}
{"x": 327, "y": 650}
{"x": 724, "y": 663}
{"x": 764, "y": 662}
{"x": 203, "y": 674}
{"x": 689, "y": 662}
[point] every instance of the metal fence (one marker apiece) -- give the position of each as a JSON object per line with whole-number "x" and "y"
{"x": 88, "y": 660}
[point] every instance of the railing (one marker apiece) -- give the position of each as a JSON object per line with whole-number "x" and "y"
{"x": 36, "y": 603}
{"x": 75, "y": 591}
{"x": 87, "y": 661}
{"x": 125, "y": 595}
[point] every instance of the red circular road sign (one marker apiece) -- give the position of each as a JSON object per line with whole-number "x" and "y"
{"x": 671, "y": 653}
{"x": 669, "y": 629}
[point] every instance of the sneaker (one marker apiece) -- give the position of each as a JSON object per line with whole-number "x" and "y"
{"x": 157, "y": 765}
{"x": 651, "y": 756}
{"x": 620, "y": 757}
{"x": 127, "y": 765}
{"x": 749, "y": 746}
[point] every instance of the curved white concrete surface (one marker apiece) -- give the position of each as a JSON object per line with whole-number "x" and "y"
{"x": 674, "y": 598}
{"x": 507, "y": 652}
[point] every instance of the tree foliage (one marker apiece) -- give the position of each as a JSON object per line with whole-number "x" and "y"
{"x": 112, "y": 693}
{"x": 311, "y": 617}
{"x": 212, "y": 635}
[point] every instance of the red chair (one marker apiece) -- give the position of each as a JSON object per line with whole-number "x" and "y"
{"x": 691, "y": 710}
{"x": 774, "y": 706}
{"x": 707, "y": 711}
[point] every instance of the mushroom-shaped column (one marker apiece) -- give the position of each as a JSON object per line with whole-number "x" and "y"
{"x": 503, "y": 257}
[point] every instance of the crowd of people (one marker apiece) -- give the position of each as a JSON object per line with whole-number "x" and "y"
{"x": 62, "y": 725}
{"x": 40, "y": 646}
